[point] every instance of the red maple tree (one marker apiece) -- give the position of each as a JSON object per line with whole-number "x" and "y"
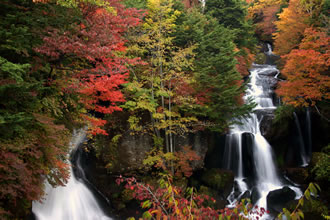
{"x": 97, "y": 44}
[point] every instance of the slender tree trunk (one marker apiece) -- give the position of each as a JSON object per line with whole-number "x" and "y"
{"x": 170, "y": 126}
{"x": 156, "y": 131}
{"x": 170, "y": 120}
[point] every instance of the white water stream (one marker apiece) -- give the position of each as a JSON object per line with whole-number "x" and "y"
{"x": 74, "y": 201}
{"x": 267, "y": 178}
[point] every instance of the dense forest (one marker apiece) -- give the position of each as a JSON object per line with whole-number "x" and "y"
{"x": 153, "y": 71}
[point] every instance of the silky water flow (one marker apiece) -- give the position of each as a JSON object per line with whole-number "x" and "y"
{"x": 266, "y": 176}
{"x": 74, "y": 201}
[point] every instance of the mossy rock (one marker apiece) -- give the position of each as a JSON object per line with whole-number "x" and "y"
{"x": 218, "y": 179}
{"x": 260, "y": 58}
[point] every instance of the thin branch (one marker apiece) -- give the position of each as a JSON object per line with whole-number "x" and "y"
{"x": 322, "y": 116}
{"x": 153, "y": 195}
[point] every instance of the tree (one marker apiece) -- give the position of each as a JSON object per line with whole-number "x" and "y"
{"x": 161, "y": 87}
{"x": 306, "y": 71}
{"x": 290, "y": 28}
{"x": 264, "y": 14}
{"x": 39, "y": 94}
{"x": 92, "y": 52}
{"x": 217, "y": 83}
{"x": 232, "y": 14}
{"x": 31, "y": 144}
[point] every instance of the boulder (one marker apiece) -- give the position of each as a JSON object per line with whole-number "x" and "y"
{"x": 277, "y": 199}
{"x": 247, "y": 153}
{"x": 266, "y": 118}
{"x": 271, "y": 82}
{"x": 271, "y": 72}
{"x": 245, "y": 195}
{"x": 255, "y": 195}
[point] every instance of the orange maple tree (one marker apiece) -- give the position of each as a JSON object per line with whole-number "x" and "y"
{"x": 263, "y": 13}
{"x": 290, "y": 27}
{"x": 306, "y": 70}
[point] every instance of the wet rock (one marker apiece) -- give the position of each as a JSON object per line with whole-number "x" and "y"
{"x": 272, "y": 59}
{"x": 266, "y": 117}
{"x": 271, "y": 82}
{"x": 297, "y": 175}
{"x": 271, "y": 72}
{"x": 247, "y": 153}
{"x": 277, "y": 199}
{"x": 245, "y": 195}
{"x": 255, "y": 195}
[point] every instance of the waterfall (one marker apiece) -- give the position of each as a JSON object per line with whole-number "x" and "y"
{"x": 266, "y": 176}
{"x": 269, "y": 51}
{"x": 301, "y": 141}
{"x": 305, "y": 144}
{"x": 203, "y": 2}
{"x": 74, "y": 201}
{"x": 309, "y": 133}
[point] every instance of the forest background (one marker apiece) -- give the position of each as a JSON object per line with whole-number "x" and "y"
{"x": 150, "y": 67}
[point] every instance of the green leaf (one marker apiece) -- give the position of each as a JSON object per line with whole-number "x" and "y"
{"x": 147, "y": 215}
{"x": 146, "y": 204}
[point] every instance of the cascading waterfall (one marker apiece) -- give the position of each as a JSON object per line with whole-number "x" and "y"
{"x": 302, "y": 150}
{"x": 266, "y": 175}
{"x": 269, "y": 51}
{"x": 309, "y": 132}
{"x": 304, "y": 138}
{"x": 74, "y": 201}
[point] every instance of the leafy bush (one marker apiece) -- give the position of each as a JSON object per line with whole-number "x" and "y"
{"x": 322, "y": 166}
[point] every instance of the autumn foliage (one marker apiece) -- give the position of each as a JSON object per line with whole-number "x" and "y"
{"x": 97, "y": 44}
{"x": 168, "y": 201}
{"x": 290, "y": 28}
{"x": 306, "y": 70}
{"x": 25, "y": 162}
{"x": 264, "y": 13}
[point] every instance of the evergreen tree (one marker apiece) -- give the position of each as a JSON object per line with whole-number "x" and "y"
{"x": 218, "y": 84}
{"x": 232, "y": 14}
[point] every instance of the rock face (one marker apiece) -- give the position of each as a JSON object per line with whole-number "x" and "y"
{"x": 266, "y": 117}
{"x": 277, "y": 199}
{"x": 132, "y": 149}
{"x": 199, "y": 142}
{"x": 255, "y": 195}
